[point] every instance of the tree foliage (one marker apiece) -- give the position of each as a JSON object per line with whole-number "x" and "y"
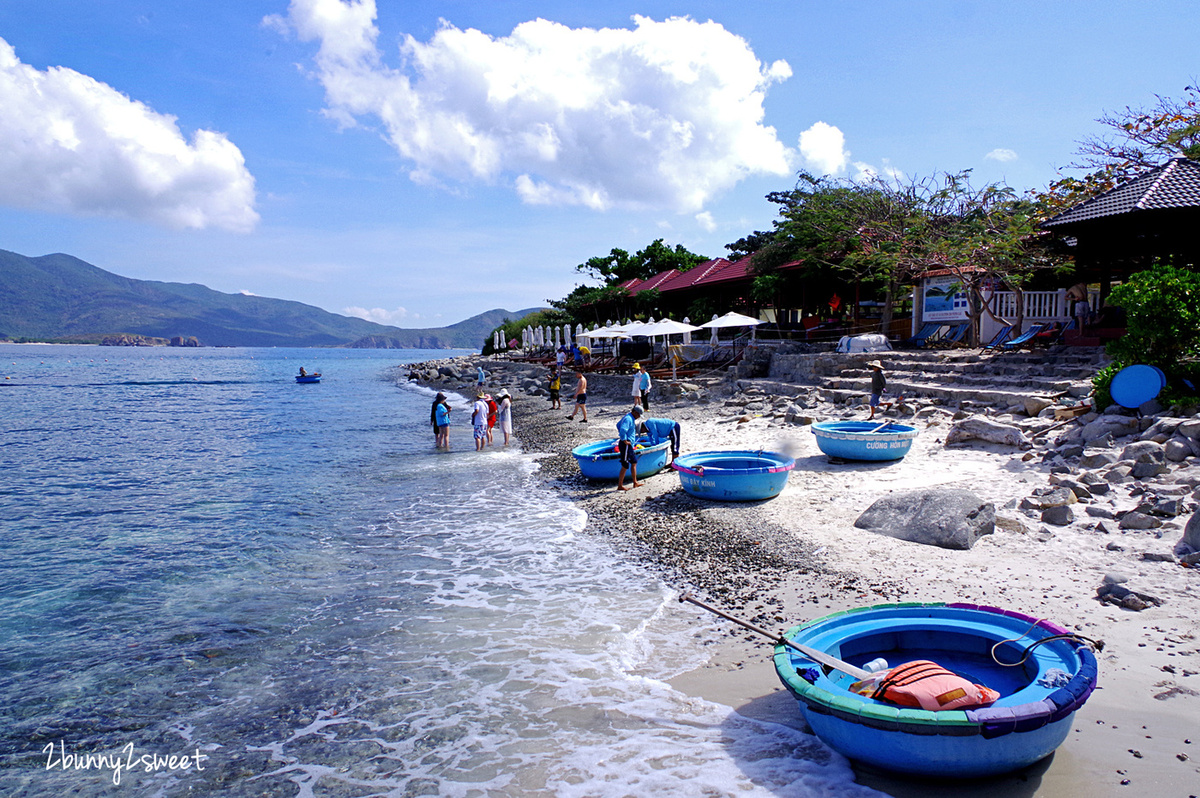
{"x": 1136, "y": 141}
{"x": 1162, "y": 317}
{"x": 619, "y": 266}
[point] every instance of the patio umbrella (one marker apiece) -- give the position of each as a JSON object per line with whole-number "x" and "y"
{"x": 732, "y": 319}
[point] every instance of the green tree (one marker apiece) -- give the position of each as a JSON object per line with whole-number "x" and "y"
{"x": 1137, "y": 140}
{"x": 619, "y": 266}
{"x": 1162, "y": 317}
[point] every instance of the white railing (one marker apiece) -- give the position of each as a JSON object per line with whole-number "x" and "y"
{"x": 1039, "y": 306}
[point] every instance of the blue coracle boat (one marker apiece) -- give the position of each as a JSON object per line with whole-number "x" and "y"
{"x": 734, "y": 475}
{"x": 864, "y": 440}
{"x": 1028, "y": 722}
{"x": 308, "y": 378}
{"x": 600, "y": 460}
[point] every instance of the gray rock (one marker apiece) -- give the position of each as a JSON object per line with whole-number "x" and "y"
{"x": 1136, "y": 520}
{"x": 1070, "y": 450}
{"x": 1190, "y": 429}
{"x": 1091, "y": 479}
{"x": 1158, "y": 556}
{"x": 951, "y": 518}
{"x": 1042, "y": 498}
{"x": 1036, "y": 404}
{"x": 1126, "y": 597}
{"x": 1098, "y": 511}
{"x": 1010, "y": 522}
{"x": 1150, "y": 407}
{"x": 1060, "y": 515}
{"x": 1075, "y": 486}
{"x": 1191, "y": 532}
{"x": 1114, "y": 546}
{"x": 1161, "y": 426}
{"x": 1103, "y": 528}
{"x": 1147, "y": 470}
{"x": 983, "y": 429}
{"x": 1144, "y": 452}
{"x": 1118, "y": 473}
{"x": 1114, "y": 425}
{"x": 1177, "y": 450}
{"x": 1167, "y": 507}
{"x": 1115, "y": 577}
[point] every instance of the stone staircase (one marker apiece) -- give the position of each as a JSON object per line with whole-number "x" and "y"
{"x": 957, "y": 376}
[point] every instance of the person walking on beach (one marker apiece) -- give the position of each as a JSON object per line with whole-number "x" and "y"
{"x": 439, "y": 417}
{"x": 878, "y": 386}
{"x": 479, "y": 414}
{"x": 641, "y": 387}
{"x": 662, "y": 429}
{"x": 626, "y": 435}
{"x": 560, "y": 357}
{"x": 479, "y": 379}
{"x": 555, "y": 387}
{"x": 580, "y": 399}
{"x": 504, "y": 416}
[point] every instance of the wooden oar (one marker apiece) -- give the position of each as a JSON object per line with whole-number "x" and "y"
{"x": 881, "y": 426}
{"x": 812, "y": 653}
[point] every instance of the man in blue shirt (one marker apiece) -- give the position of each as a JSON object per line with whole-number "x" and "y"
{"x": 626, "y": 435}
{"x": 662, "y": 429}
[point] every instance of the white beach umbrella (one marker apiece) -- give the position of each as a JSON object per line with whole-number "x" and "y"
{"x": 667, "y": 327}
{"x": 732, "y": 319}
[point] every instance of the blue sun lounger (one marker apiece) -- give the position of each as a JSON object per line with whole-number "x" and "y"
{"x": 998, "y": 339}
{"x": 1024, "y": 337}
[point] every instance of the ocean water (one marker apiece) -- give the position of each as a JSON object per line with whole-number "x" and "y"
{"x": 216, "y": 581}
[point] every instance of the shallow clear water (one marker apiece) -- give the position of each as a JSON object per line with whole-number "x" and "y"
{"x": 198, "y": 554}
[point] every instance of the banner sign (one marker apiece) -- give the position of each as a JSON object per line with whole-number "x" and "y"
{"x": 943, "y": 299}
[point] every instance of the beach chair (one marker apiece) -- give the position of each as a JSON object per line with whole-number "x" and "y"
{"x": 928, "y": 333}
{"x": 953, "y": 336}
{"x": 999, "y": 338}
{"x": 1023, "y": 338}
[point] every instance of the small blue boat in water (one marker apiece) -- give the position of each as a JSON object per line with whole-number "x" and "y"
{"x": 864, "y": 440}
{"x": 1042, "y": 672}
{"x": 308, "y": 378}
{"x": 734, "y": 475}
{"x": 600, "y": 459}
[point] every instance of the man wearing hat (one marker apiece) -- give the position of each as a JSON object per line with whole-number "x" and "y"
{"x": 878, "y": 386}
{"x": 641, "y": 387}
{"x": 626, "y": 435}
{"x": 479, "y": 421}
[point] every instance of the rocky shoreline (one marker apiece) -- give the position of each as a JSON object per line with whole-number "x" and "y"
{"x": 1090, "y": 529}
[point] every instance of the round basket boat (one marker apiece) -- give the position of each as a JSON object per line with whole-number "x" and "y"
{"x": 733, "y": 476}
{"x": 1028, "y": 722}
{"x": 600, "y": 459}
{"x": 864, "y": 440}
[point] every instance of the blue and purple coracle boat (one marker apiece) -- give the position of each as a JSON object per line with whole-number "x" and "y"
{"x": 1043, "y": 672}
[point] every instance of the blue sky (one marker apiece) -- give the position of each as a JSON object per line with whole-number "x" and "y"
{"x": 420, "y": 162}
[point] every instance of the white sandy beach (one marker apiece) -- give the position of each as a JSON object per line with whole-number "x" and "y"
{"x": 1139, "y": 732}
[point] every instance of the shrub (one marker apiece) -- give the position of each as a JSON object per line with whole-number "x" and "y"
{"x": 1162, "y": 312}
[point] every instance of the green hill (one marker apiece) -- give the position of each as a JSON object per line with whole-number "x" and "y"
{"x": 64, "y": 299}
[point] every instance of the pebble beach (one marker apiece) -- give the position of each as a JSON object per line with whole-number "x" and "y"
{"x": 1098, "y": 569}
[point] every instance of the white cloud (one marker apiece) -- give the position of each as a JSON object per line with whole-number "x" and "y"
{"x": 379, "y": 315}
{"x": 666, "y": 114}
{"x": 1001, "y": 154}
{"x": 706, "y": 221}
{"x": 823, "y": 148}
{"x": 72, "y": 144}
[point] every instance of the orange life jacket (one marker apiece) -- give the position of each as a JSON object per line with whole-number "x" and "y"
{"x": 927, "y": 685}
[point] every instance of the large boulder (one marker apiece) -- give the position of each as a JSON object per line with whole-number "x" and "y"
{"x": 952, "y": 518}
{"x": 1191, "y": 533}
{"x": 1116, "y": 426}
{"x": 983, "y": 429}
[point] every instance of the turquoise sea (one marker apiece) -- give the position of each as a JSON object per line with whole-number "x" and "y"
{"x": 216, "y": 581}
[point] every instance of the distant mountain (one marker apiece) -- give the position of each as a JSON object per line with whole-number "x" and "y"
{"x": 62, "y": 298}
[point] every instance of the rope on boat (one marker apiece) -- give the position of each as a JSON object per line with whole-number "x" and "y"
{"x": 1096, "y": 645}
